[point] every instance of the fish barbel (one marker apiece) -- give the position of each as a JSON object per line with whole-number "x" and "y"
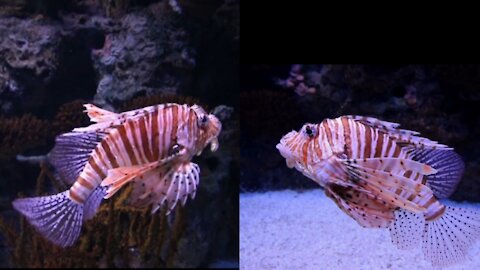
{"x": 151, "y": 147}
{"x": 386, "y": 177}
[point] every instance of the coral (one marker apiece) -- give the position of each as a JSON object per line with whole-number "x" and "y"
{"x": 296, "y": 82}
{"x": 11, "y": 7}
{"x": 69, "y": 116}
{"x": 18, "y": 134}
{"x": 145, "y": 101}
{"x": 174, "y": 5}
{"x": 30, "y": 44}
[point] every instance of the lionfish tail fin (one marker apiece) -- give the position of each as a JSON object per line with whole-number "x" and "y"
{"x": 406, "y": 231}
{"x": 449, "y": 166}
{"x": 56, "y": 217}
{"x": 447, "y": 238}
{"x": 94, "y": 201}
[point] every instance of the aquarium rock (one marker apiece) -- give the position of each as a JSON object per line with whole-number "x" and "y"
{"x": 29, "y": 55}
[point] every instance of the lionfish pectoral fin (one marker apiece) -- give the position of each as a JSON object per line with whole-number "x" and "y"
{"x": 385, "y": 185}
{"x": 384, "y": 178}
{"x": 389, "y": 164}
{"x": 407, "y": 229}
{"x": 118, "y": 177}
{"x": 449, "y": 168}
{"x": 366, "y": 210}
{"x": 56, "y": 217}
{"x": 447, "y": 238}
{"x": 97, "y": 114}
{"x": 145, "y": 185}
{"x": 183, "y": 183}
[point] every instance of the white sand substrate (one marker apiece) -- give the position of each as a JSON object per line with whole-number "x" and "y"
{"x": 306, "y": 230}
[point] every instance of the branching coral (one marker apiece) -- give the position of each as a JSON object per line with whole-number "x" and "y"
{"x": 145, "y": 101}
{"x": 18, "y": 134}
{"x": 69, "y": 116}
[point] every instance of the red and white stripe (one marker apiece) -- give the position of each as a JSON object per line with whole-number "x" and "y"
{"x": 360, "y": 138}
{"x": 144, "y": 136}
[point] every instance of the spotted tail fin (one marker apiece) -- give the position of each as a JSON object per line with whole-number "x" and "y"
{"x": 56, "y": 217}
{"x": 447, "y": 238}
{"x": 407, "y": 229}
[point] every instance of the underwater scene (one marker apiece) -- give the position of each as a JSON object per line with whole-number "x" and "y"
{"x": 119, "y": 134}
{"x": 359, "y": 166}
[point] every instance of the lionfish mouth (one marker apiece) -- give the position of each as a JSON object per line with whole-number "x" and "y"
{"x": 214, "y": 144}
{"x": 214, "y": 140}
{"x": 285, "y": 150}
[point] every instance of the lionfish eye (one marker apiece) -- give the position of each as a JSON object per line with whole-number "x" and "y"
{"x": 310, "y": 131}
{"x": 175, "y": 149}
{"x": 203, "y": 121}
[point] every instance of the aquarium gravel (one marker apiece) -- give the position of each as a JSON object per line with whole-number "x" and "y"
{"x": 306, "y": 230}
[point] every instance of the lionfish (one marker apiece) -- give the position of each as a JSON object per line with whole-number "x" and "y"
{"x": 151, "y": 147}
{"x": 386, "y": 177}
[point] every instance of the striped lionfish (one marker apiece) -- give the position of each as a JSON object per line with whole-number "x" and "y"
{"x": 386, "y": 177}
{"x": 151, "y": 147}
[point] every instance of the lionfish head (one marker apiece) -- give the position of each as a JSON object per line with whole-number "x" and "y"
{"x": 295, "y": 144}
{"x": 210, "y": 126}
